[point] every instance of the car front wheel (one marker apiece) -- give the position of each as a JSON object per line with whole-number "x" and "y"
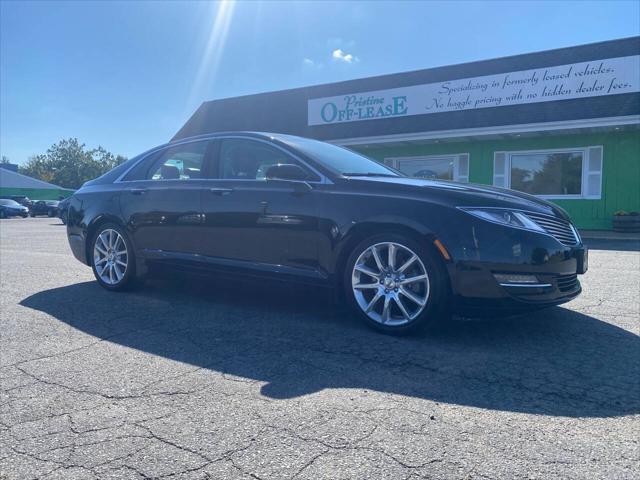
{"x": 395, "y": 284}
{"x": 112, "y": 258}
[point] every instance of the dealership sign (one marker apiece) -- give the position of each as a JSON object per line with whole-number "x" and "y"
{"x": 577, "y": 80}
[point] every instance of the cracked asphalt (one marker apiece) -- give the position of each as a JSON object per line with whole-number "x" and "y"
{"x": 194, "y": 378}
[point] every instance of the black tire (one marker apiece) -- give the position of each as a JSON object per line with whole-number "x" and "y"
{"x": 438, "y": 305}
{"x": 50, "y": 214}
{"x": 3, "y": 214}
{"x": 128, "y": 280}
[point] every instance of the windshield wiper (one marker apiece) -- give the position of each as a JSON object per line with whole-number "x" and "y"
{"x": 368, "y": 174}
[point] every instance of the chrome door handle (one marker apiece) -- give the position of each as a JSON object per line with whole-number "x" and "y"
{"x": 221, "y": 191}
{"x": 138, "y": 191}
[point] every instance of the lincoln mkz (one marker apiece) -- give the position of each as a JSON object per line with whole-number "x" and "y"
{"x": 403, "y": 252}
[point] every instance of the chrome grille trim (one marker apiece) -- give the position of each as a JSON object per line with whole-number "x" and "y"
{"x": 559, "y": 229}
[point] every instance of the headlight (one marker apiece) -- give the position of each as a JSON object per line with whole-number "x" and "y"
{"x": 510, "y": 218}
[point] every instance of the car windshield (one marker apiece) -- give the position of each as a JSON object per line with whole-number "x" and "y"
{"x": 7, "y": 202}
{"x": 338, "y": 159}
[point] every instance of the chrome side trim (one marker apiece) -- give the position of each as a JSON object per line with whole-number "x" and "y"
{"x": 323, "y": 178}
{"x": 168, "y": 255}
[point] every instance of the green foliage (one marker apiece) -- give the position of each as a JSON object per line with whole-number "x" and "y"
{"x": 5, "y": 159}
{"x": 69, "y": 164}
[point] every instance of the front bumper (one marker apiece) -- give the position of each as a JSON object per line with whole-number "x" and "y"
{"x": 14, "y": 212}
{"x": 515, "y": 300}
{"x": 491, "y": 250}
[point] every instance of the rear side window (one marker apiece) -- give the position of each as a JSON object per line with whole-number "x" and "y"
{"x": 182, "y": 162}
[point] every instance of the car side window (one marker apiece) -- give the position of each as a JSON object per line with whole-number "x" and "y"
{"x": 182, "y": 162}
{"x": 245, "y": 159}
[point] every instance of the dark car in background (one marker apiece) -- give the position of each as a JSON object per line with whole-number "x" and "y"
{"x": 11, "y": 208}
{"x": 21, "y": 199}
{"x": 405, "y": 252}
{"x": 63, "y": 206}
{"x": 47, "y": 208}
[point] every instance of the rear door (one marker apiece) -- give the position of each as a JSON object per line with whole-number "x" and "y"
{"x": 161, "y": 200}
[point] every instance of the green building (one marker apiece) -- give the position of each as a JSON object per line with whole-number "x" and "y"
{"x": 560, "y": 124}
{"x": 15, "y": 184}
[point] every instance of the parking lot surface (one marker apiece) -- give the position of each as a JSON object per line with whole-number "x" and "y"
{"x": 192, "y": 378}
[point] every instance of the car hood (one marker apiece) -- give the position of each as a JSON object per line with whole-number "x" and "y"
{"x": 459, "y": 194}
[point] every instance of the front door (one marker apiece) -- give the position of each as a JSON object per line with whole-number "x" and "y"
{"x": 255, "y": 223}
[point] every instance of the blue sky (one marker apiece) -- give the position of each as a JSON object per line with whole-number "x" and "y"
{"x": 127, "y": 75}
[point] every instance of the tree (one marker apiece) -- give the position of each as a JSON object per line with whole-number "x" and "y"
{"x": 5, "y": 159}
{"x": 69, "y": 164}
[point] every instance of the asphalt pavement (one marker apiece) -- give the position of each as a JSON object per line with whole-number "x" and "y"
{"x": 195, "y": 378}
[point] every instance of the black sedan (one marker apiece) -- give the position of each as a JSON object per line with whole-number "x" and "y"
{"x": 11, "y": 208}
{"x": 405, "y": 252}
{"x": 44, "y": 207}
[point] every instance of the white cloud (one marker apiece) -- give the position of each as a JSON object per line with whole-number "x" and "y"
{"x": 341, "y": 55}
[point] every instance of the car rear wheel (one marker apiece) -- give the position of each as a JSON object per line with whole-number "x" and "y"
{"x": 112, "y": 258}
{"x": 3, "y": 214}
{"x": 395, "y": 284}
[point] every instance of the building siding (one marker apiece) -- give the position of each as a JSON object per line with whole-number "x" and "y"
{"x": 36, "y": 193}
{"x": 621, "y": 168}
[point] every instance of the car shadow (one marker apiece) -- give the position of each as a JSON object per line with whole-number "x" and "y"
{"x": 297, "y": 341}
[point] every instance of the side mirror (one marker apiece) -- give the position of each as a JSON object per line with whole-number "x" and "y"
{"x": 286, "y": 171}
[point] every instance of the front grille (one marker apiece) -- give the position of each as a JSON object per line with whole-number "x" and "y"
{"x": 566, "y": 283}
{"x": 560, "y": 229}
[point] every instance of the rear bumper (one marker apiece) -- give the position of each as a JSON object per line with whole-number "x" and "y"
{"x": 78, "y": 246}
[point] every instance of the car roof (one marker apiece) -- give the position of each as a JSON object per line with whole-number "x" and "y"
{"x": 262, "y": 135}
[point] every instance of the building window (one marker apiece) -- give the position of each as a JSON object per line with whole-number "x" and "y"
{"x": 439, "y": 167}
{"x": 562, "y": 173}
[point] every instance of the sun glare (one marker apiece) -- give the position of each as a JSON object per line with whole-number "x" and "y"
{"x": 221, "y": 14}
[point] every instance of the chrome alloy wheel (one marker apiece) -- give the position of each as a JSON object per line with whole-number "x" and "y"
{"x": 390, "y": 283}
{"x": 110, "y": 256}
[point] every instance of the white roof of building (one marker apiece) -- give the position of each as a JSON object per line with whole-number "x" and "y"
{"x": 10, "y": 179}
